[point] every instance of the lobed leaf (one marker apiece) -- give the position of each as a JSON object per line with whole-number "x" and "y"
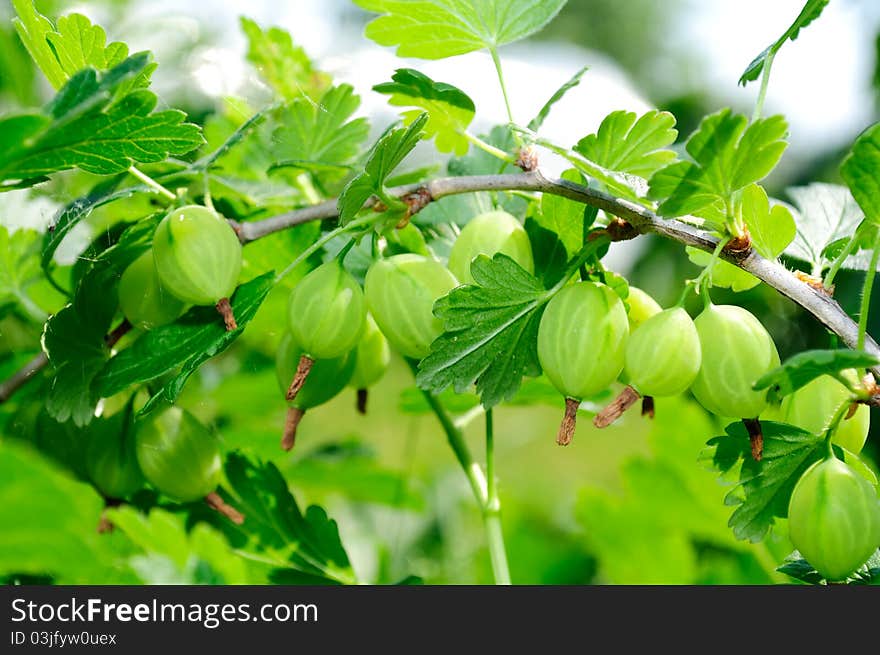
{"x": 386, "y": 155}
{"x": 436, "y": 29}
{"x": 490, "y": 332}
{"x": 801, "y": 369}
{"x": 729, "y": 154}
{"x": 450, "y": 110}
{"x": 764, "y": 488}
{"x": 322, "y": 135}
{"x": 87, "y": 129}
{"x": 306, "y": 544}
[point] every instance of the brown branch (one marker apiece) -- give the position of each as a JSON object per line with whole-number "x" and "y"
{"x": 825, "y": 309}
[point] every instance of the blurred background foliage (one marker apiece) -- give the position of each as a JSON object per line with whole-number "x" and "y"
{"x": 630, "y": 504}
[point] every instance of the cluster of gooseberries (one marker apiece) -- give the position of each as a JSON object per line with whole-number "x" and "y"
{"x": 339, "y": 335}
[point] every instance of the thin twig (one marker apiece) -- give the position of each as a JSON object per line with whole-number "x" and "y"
{"x": 825, "y": 309}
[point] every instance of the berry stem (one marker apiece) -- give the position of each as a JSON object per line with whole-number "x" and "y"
{"x": 217, "y": 503}
{"x": 225, "y": 310}
{"x": 303, "y": 368}
{"x": 150, "y": 182}
{"x": 648, "y": 406}
{"x": 615, "y": 409}
{"x": 362, "y": 396}
{"x": 291, "y": 423}
{"x": 756, "y": 437}
{"x": 569, "y": 422}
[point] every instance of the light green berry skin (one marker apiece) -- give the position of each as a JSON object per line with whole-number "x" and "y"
{"x": 197, "y": 255}
{"x": 326, "y": 312}
{"x": 641, "y": 307}
{"x": 582, "y": 339}
{"x": 834, "y": 518}
{"x": 488, "y": 234}
{"x": 112, "y": 463}
{"x": 371, "y": 357}
{"x": 400, "y": 292}
{"x": 812, "y": 407}
{"x": 145, "y": 302}
{"x": 736, "y": 351}
{"x": 663, "y": 354}
{"x": 326, "y": 379}
{"x": 178, "y": 455}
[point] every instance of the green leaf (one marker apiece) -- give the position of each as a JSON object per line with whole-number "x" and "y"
{"x": 33, "y": 28}
{"x": 800, "y": 569}
{"x": 63, "y": 51}
{"x": 764, "y": 488}
{"x": 199, "y": 556}
{"x": 490, "y": 332}
{"x": 811, "y": 11}
{"x": 435, "y": 29}
{"x": 306, "y": 546}
{"x": 772, "y": 229}
{"x": 565, "y": 217}
{"x": 74, "y": 338}
{"x": 321, "y": 134}
{"x": 859, "y": 171}
{"x": 19, "y": 269}
{"x": 450, "y": 110}
{"x": 49, "y": 522}
{"x": 801, "y": 369}
{"x": 729, "y": 154}
{"x": 284, "y": 66}
{"x": 386, "y": 155}
{"x": 70, "y": 215}
{"x": 536, "y": 123}
{"x": 92, "y": 132}
{"x": 78, "y": 44}
{"x": 186, "y": 344}
{"x": 626, "y": 145}
{"x": 827, "y": 214}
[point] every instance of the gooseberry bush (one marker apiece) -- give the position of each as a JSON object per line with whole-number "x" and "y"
{"x": 285, "y": 234}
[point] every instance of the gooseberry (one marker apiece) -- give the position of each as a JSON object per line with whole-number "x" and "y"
{"x": 326, "y": 379}
{"x": 145, "y": 302}
{"x": 581, "y": 345}
{"x": 111, "y": 459}
{"x": 663, "y": 354}
{"x": 198, "y": 258}
{"x": 488, "y": 234}
{"x": 400, "y": 293}
{"x": 834, "y": 518}
{"x": 371, "y": 361}
{"x": 641, "y": 307}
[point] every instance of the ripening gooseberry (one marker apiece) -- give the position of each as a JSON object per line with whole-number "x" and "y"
{"x": 488, "y": 234}
{"x": 145, "y": 302}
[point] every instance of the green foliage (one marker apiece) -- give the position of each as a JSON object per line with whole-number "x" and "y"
{"x": 304, "y": 546}
{"x": 827, "y": 217}
{"x": 450, "y": 110}
{"x": 859, "y": 171}
{"x": 536, "y": 123}
{"x": 764, "y": 486}
{"x": 185, "y": 344}
{"x": 166, "y": 553}
{"x": 50, "y": 522}
{"x": 729, "y": 154}
{"x": 800, "y": 569}
{"x": 628, "y": 147}
{"x": 435, "y": 29}
{"x": 19, "y": 269}
{"x": 772, "y": 229}
{"x": 802, "y": 368}
{"x": 386, "y": 155}
{"x": 811, "y": 11}
{"x": 283, "y": 65}
{"x": 490, "y": 332}
{"x": 88, "y": 126}
{"x": 323, "y": 137}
